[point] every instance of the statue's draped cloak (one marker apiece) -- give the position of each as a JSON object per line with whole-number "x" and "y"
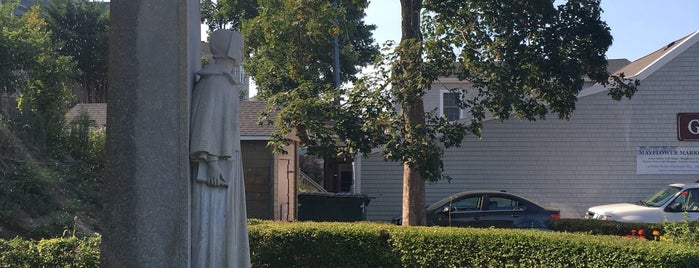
{"x": 219, "y": 220}
{"x": 213, "y": 113}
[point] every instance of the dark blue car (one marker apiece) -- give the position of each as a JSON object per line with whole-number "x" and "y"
{"x": 498, "y": 209}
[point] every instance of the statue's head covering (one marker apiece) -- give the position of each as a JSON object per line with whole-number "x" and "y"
{"x": 227, "y": 44}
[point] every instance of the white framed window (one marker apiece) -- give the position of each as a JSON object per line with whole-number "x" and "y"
{"x": 449, "y": 103}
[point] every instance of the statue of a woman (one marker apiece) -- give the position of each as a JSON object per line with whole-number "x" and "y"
{"x": 219, "y": 219}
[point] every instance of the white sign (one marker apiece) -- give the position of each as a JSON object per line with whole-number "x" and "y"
{"x": 667, "y": 160}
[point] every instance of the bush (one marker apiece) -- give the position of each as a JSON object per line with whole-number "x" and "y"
{"x": 599, "y": 227}
{"x": 25, "y": 189}
{"x": 310, "y": 244}
{"x": 683, "y": 232}
{"x": 55, "y": 252}
{"x": 363, "y": 244}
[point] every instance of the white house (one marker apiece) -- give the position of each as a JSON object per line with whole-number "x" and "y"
{"x": 609, "y": 151}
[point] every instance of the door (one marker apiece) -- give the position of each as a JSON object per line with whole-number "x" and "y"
{"x": 502, "y": 211}
{"x": 465, "y": 211}
{"x": 686, "y": 201}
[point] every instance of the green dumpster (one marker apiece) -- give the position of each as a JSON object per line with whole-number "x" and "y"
{"x": 343, "y": 207}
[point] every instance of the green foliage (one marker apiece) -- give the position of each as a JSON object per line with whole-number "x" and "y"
{"x": 525, "y": 58}
{"x": 222, "y": 14}
{"x": 21, "y": 39}
{"x": 35, "y": 72}
{"x": 319, "y": 245}
{"x": 290, "y": 44}
{"x": 79, "y": 29}
{"x": 41, "y": 188}
{"x": 84, "y": 141}
{"x": 363, "y": 244}
{"x": 25, "y": 189}
{"x": 307, "y": 244}
{"x": 56, "y": 252}
{"x": 39, "y": 200}
{"x": 599, "y": 227}
{"x": 683, "y": 232}
{"x": 312, "y": 166}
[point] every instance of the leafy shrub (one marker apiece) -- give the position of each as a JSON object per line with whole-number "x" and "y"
{"x": 600, "y": 227}
{"x": 83, "y": 141}
{"x": 362, "y": 244}
{"x": 25, "y": 188}
{"x": 682, "y": 232}
{"x": 381, "y": 245}
{"x": 309, "y": 244}
{"x": 55, "y": 252}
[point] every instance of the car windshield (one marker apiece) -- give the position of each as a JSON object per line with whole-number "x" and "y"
{"x": 659, "y": 198}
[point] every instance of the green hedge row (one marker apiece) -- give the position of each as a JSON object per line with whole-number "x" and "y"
{"x": 55, "y": 252}
{"x": 309, "y": 244}
{"x": 599, "y": 227}
{"x": 364, "y": 244}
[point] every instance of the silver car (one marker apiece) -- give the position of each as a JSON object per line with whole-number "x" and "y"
{"x": 668, "y": 204}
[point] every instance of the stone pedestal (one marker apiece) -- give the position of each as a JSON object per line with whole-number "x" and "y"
{"x": 154, "y": 52}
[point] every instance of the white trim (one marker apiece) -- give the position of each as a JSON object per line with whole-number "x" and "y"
{"x": 357, "y": 173}
{"x": 675, "y": 51}
{"x": 651, "y": 68}
{"x": 441, "y": 103}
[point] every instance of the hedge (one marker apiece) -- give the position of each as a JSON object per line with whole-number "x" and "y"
{"x": 55, "y": 252}
{"x": 309, "y": 244}
{"x": 364, "y": 244}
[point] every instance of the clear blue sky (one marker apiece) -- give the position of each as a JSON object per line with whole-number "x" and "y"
{"x": 639, "y": 27}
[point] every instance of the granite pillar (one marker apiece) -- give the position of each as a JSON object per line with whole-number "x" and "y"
{"x": 154, "y": 53}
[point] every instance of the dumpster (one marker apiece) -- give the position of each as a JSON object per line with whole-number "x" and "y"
{"x": 343, "y": 207}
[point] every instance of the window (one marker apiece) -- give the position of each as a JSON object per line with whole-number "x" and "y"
{"x": 689, "y": 200}
{"x": 450, "y": 105}
{"x": 504, "y": 203}
{"x": 242, "y": 75}
{"x": 466, "y": 204}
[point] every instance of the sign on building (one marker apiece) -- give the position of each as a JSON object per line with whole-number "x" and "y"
{"x": 667, "y": 160}
{"x": 688, "y": 126}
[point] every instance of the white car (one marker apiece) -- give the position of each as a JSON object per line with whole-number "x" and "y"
{"x": 668, "y": 205}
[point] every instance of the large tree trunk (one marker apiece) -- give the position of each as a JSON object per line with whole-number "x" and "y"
{"x": 410, "y": 51}
{"x": 413, "y": 197}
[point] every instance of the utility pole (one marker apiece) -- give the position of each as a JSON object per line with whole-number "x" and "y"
{"x": 336, "y": 52}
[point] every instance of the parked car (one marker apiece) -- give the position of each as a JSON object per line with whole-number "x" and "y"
{"x": 668, "y": 204}
{"x": 488, "y": 209}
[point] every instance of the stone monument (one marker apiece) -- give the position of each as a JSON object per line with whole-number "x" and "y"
{"x": 153, "y": 56}
{"x": 219, "y": 221}
{"x": 151, "y": 199}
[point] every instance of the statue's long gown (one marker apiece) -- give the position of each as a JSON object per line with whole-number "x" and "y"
{"x": 219, "y": 219}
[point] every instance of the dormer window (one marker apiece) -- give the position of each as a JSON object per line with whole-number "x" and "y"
{"x": 450, "y": 105}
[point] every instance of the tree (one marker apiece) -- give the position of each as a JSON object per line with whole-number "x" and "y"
{"x": 227, "y": 14}
{"x": 291, "y": 48}
{"x": 80, "y": 29}
{"x": 34, "y": 74}
{"x": 525, "y": 59}
{"x": 21, "y": 39}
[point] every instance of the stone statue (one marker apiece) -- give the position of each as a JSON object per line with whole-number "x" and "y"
{"x": 219, "y": 219}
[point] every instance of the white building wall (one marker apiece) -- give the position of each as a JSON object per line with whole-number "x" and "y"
{"x": 570, "y": 165}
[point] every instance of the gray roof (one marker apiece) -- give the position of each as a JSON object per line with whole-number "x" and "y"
{"x": 635, "y": 68}
{"x": 647, "y": 65}
{"x": 249, "y": 113}
{"x": 614, "y": 65}
{"x": 96, "y": 111}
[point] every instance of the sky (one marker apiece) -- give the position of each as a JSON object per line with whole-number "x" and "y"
{"x": 639, "y": 27}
